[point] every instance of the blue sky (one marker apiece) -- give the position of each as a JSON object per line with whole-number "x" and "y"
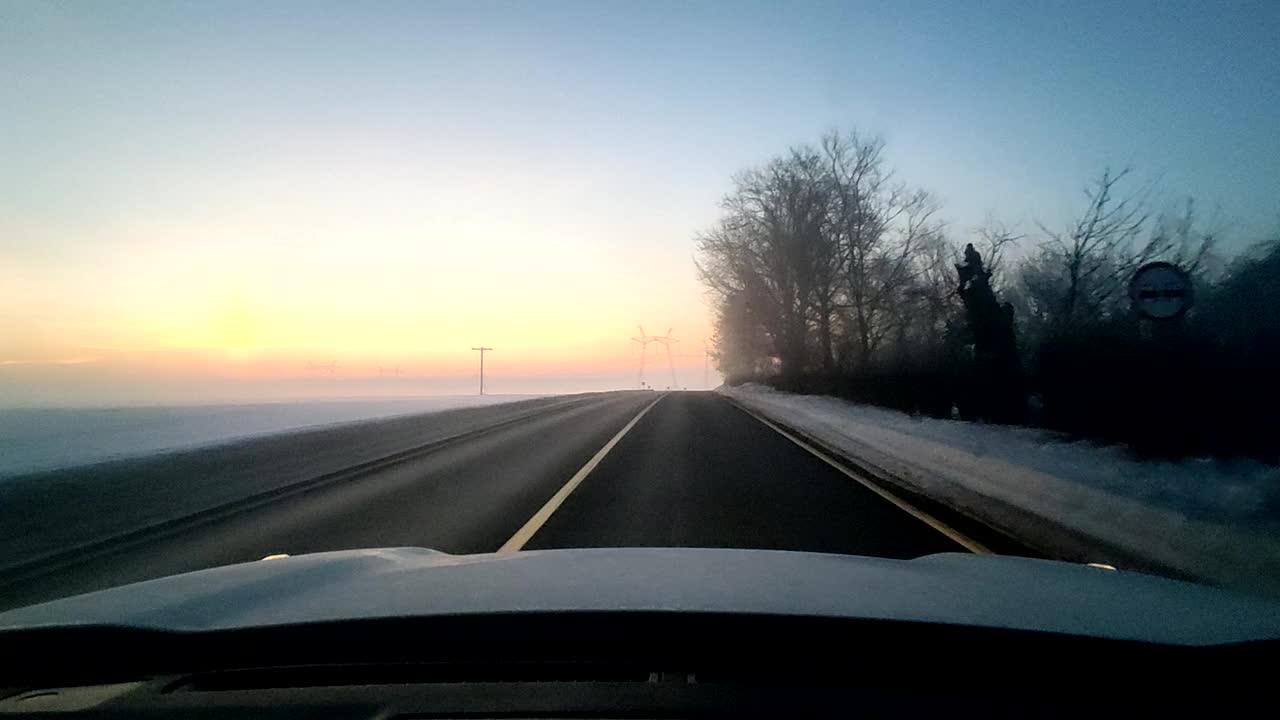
{"x": 563, "y": 150}
{"x": 1002, "y": 106}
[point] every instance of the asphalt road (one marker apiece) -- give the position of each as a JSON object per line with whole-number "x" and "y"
{"x": 698, "y": 472}
{"x": 693, "y": 471}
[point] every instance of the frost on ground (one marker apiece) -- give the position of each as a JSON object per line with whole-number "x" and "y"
{"x": 37, "y": 439}
{"x": 49, "y": 512}
{"x": 1214, "y": 521}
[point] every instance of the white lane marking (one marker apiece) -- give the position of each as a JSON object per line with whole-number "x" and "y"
{"x": 535, "y": 523}
{"x": 968, "y": 543}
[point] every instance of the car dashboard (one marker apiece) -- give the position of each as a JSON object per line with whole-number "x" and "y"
{"x": 622, "y": 664}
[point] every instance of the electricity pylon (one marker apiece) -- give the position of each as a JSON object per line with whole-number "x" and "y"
{"x": 323, "y": 367}
{"x": 666, "y": 341}
{"x": 482, "y": 350}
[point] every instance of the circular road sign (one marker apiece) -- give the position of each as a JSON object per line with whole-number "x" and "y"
{"x": 1160, "y": 291}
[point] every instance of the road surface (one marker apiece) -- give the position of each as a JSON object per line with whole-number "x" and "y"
{"x": 681, "y": 469}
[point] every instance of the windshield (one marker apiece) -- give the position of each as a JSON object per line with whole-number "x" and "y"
{"x": 868, "y": 279}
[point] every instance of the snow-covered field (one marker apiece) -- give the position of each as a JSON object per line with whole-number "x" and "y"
{"x": 32, "y": 440}
{"x": 1212, "y": 520}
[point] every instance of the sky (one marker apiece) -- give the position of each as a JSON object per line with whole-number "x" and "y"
{"x": 198, "y": 201}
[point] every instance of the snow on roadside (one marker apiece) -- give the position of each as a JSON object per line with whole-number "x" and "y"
{"x": 40, "y": 439}
{"x": 1212, "y": 520}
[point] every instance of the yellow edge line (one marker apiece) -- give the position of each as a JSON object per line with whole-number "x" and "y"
{"x": 535, "y": 523}
{"x": 969, "y": 544}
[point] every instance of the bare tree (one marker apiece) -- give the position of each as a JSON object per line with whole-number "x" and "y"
{"x": 829, "y": 256}
{"x": 879, "y": 226}
{"x": 994, "y": 238}
{"x": 1180, "y": 238}
{"x": 771, "y": 249}
{"x": 929, "y": 306}
{"x": 742, "y": 347}
{"x": 1078, "y": 276}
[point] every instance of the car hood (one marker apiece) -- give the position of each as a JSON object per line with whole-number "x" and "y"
{"x": 952, "y": 588}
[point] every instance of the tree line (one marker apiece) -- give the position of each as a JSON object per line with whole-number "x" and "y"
{"x": 830, "y": 274}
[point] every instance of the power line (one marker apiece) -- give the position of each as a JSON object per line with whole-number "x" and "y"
{"x": 482, "y": 350}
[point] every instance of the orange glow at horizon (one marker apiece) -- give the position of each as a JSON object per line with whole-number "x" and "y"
{"x": 264, "y": 310}
{"x": 356, "y": 258}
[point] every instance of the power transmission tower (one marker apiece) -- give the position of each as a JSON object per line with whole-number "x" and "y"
{"x": 482, "y": 350}
{"x": 328, "y": 367}
{"x": 664, "y": 340}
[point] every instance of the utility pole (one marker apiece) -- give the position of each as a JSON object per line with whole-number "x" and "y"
{"x": 482, "y": 350}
